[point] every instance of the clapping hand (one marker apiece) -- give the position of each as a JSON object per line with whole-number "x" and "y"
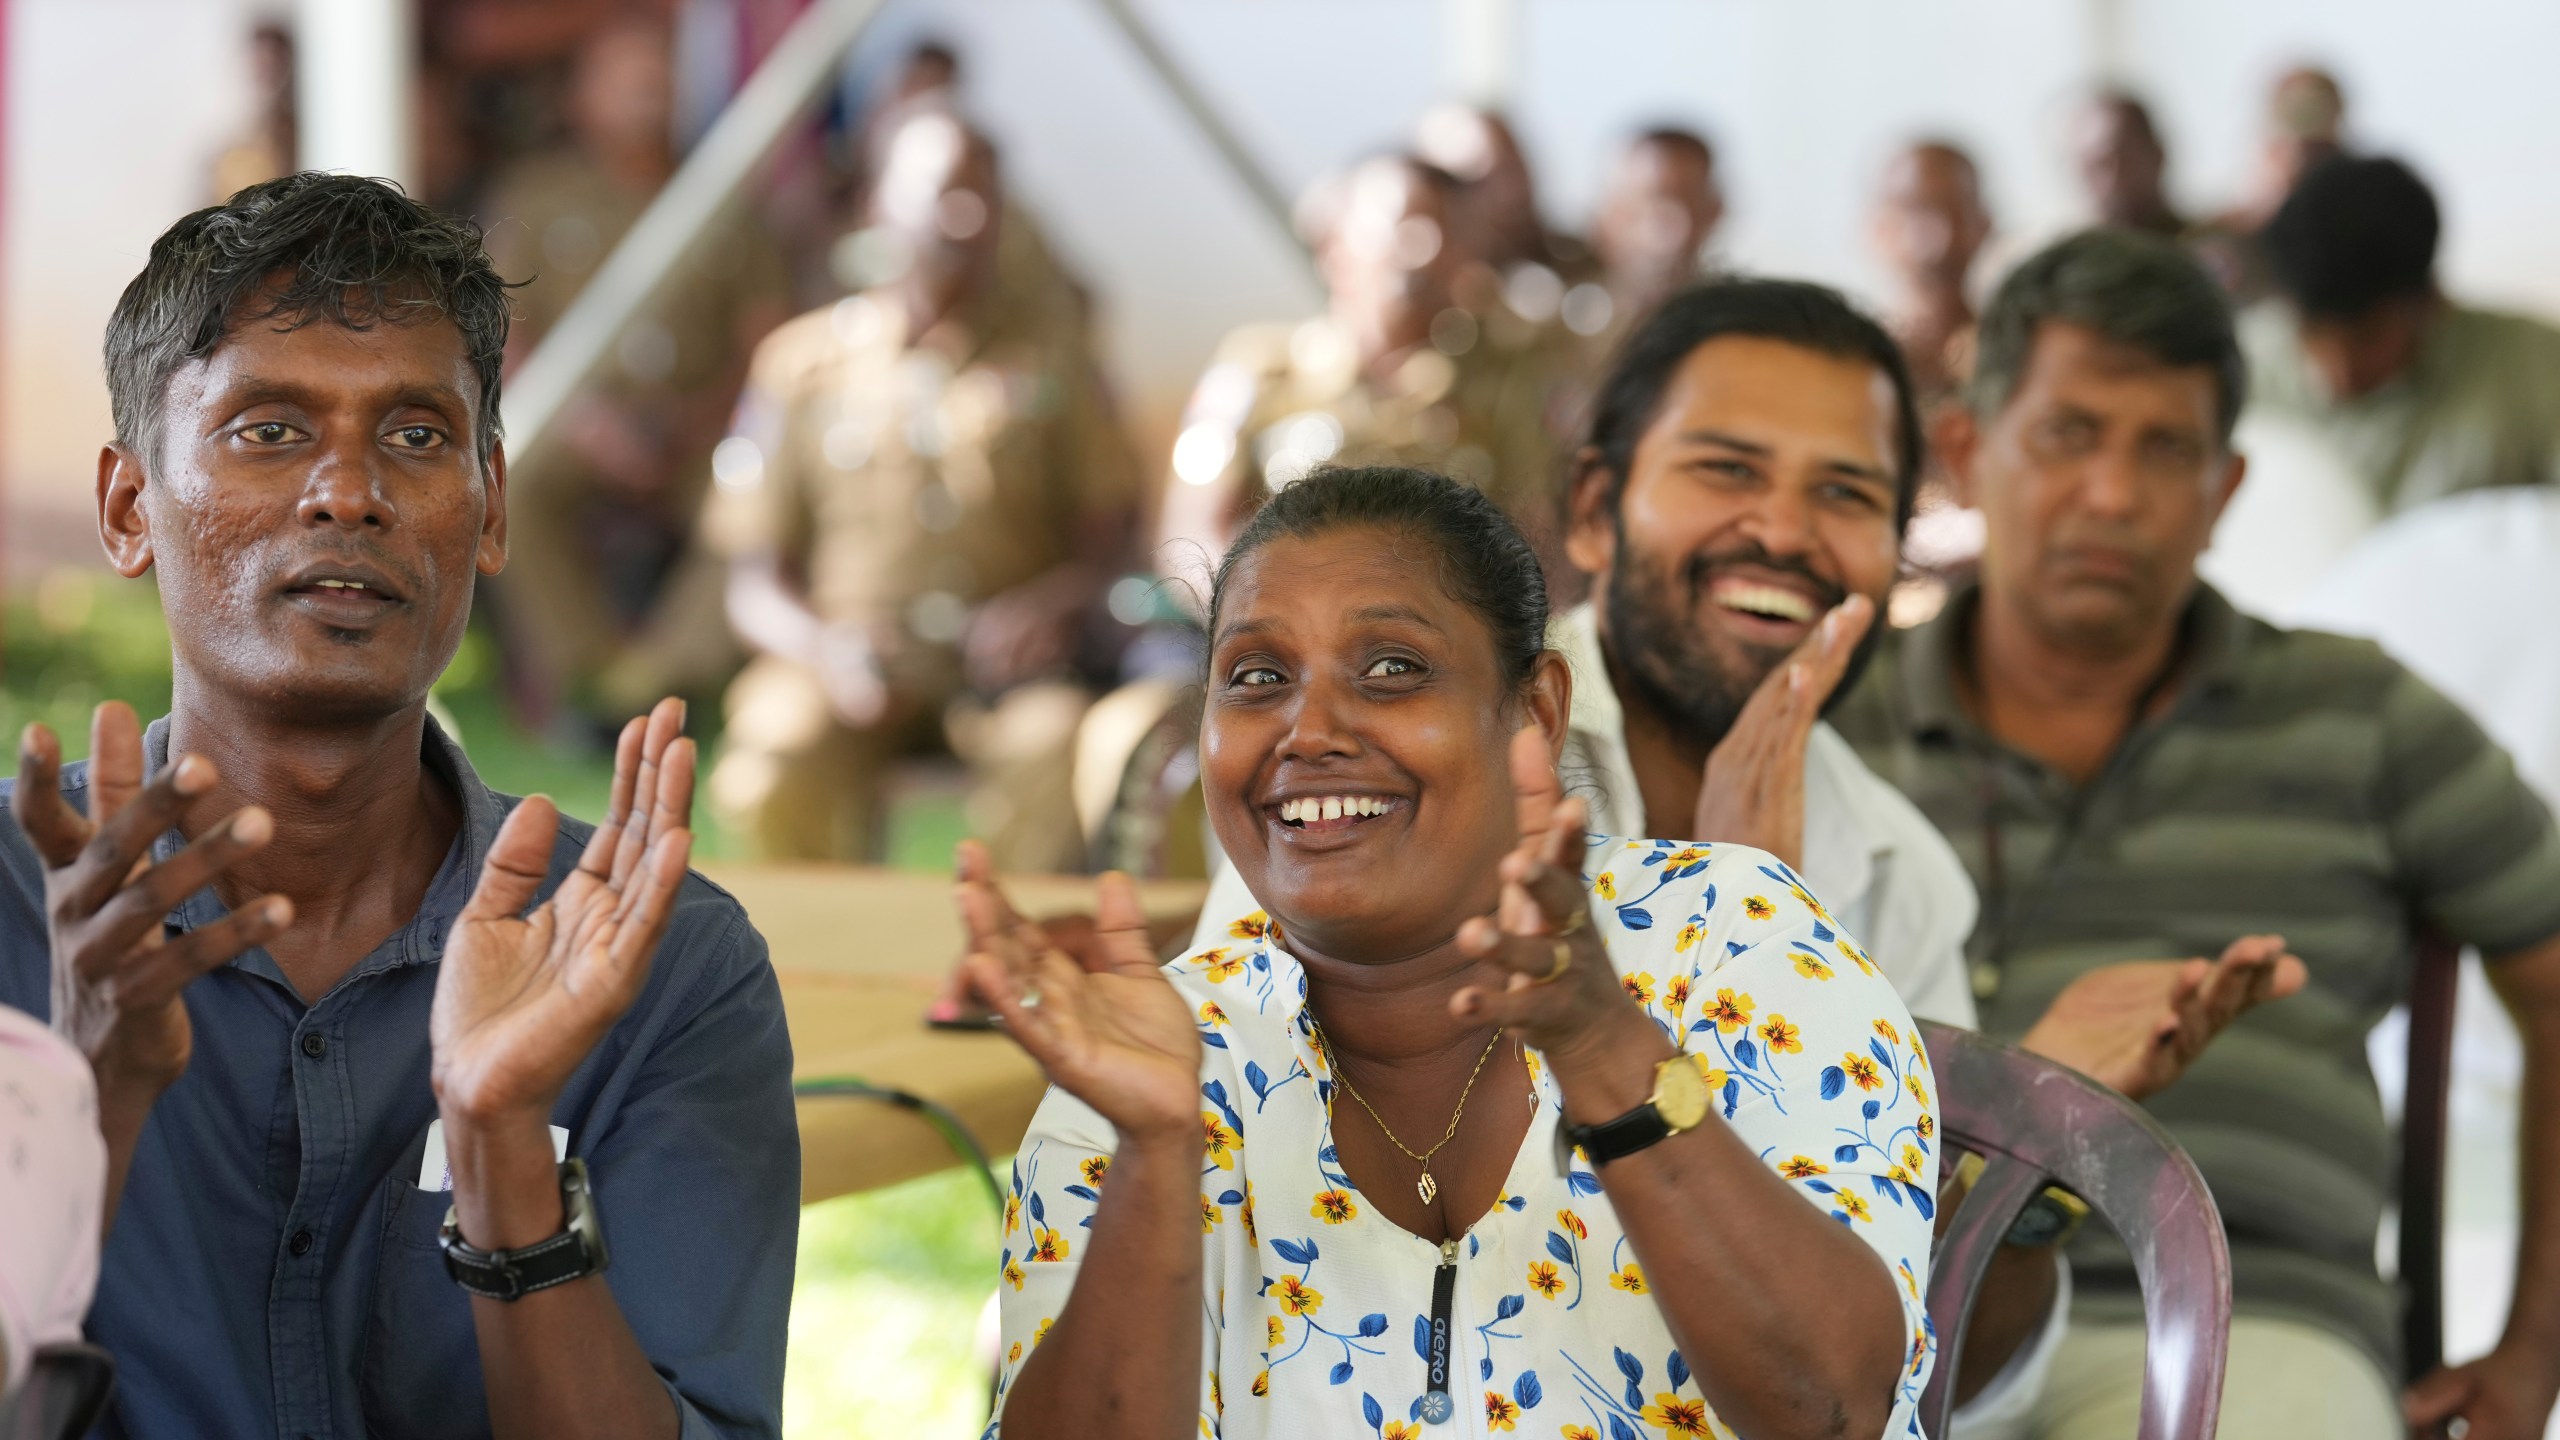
{"x": 524, "y": 996}
{"x": 1108, "y": 1027}
{"x": 1753, "y": 791}
{"x": 116, "y": 973}
{"x": 2136, "y": 1026}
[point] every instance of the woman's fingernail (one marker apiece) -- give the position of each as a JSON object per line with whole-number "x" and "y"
{"x": 943, "y": 1010}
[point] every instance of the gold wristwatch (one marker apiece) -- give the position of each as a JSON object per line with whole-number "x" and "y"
{"x": 1679, "y": 1102}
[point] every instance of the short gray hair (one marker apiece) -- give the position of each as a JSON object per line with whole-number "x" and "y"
{"x": 2136, "y": 290}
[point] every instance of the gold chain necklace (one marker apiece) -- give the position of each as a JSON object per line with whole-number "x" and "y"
{"x": 1426, "y": 1187}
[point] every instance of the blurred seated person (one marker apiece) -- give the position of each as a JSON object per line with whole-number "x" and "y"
{"x": 2123, "y": 165}
{"x": 345, "y": 1005}
{"x": 2422, "y": 395}
{"x": 53, "y": 1175}
{"x": 2305, "y": 123}
{"x": 1355, "y": 1060}
{"x": 1929, "y": 225}
{"x": 922, "y": 506}
{"x": 2129, "y": 767}
{"x": 1650, "y": 234}
{"x": 265, "y": 149}
{"x": 1391, "y": 373}
{"x": 1522, "y": 268}
{"x": 604, "y": 609}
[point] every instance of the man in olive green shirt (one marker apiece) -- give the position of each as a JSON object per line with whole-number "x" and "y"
{"x": 2129, "y": 767}
{"x": 2419, "y": 396}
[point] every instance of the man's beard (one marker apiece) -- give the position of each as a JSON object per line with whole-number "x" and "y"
{"x": 1655, "y": 619}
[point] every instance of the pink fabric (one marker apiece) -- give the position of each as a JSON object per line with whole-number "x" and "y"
{"x": 53, "y": 1178}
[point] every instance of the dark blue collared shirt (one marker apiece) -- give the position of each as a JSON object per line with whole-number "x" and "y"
{"x": 273, "y": 1271}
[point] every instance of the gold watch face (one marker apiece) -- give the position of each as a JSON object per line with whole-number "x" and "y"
{"x": 1680, "y": 1093}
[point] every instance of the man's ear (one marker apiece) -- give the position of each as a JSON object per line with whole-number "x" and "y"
{"x": 1955, "y": 437}
{"x": 123, "y": 525}
{"x": 1590, "y": 530}
{"x": 2237, "y": 471}
{"x": 1549, "y": 697}
{"x": 492, "y": 556}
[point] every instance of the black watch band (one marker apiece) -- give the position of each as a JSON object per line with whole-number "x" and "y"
{"x": 575, "y": 1253}
{"x": 1616, "y": 1139}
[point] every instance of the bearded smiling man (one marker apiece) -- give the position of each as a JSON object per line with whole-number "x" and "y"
{"x": 427, "y": 1113}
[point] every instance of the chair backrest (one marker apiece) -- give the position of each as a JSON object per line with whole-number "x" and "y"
{"x": 2423, "y": 1126}
{"x": 65, "y": 1395}
{"x": 2036, "y": 1123}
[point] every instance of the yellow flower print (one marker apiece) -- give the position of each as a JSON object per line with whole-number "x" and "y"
{"x": 1400, "y": 1430}
{"x": 1675, "y": 996}
{"x": 1802, "y": 1167}
{"x": 1208, "y": 1215}
{"x": 1297, "y": 1297}
{"x": 1606, "y": 887}
{"x": 1639, "y": 986}
{"x": 1012, "y": 1213}
{"x": 1911, "y": 1287}
{"x": 1251, "y": 927}
{"x": 1674, "y": 1416}
{"x": 1535, "y": 1064}
{"x": 1885, "y": 1029}
{"x": 1809, "y": 965}
{"x": 1262, "y": 1383}
{"x": 1912, "y": 1083}
{"x": 1630, "y": 1279}
{"x": 1013, "y": 1275}
{"x": 1715, "y": 1077}
{"x": 1781, "y": 1037}
{"x": 1041, "y": 1331}
{"x": 1759, "y": 908}
{"x": 1211, "y": 1015}
{"x": 1013, "y": 1354}
{"x": 1896, "y": 1172}
{"x": 1251, "y": 1236}
{"x": 1499, "y": 1411}
{"x": 1273, "y": 1331}
{"x": 1912, "y": 1159}
{"x": 1570, "y": 1221}
{"x": 1805, "y": 897}
{"x": 1047, "y": 1244}
{"x": 1217, "y": 1394}
{"x": 1866, "y": 963}
{"x": 1218, "y": 1141}
{"x": 1861, "y": 1071}
{"x": 1926, "y": 1126}
{"x": 1731, "y": 1012}
{"x": 1222, "y": 966}
{"x": 1690, "y": 934}
{"x": 1852, "y": 1204}
{"x": 1544, "y": 1279}
{"x": 1580, "y": 1432}
{"x": 1333, "y": 1207}
{"x": 1094, "y": 1167}
{"x": 1683, "y": 856}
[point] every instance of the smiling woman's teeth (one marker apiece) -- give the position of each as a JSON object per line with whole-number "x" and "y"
{"x": 1331, "y": 807}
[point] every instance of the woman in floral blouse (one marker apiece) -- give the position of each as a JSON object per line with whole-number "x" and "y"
{"x": 1334, "y": 1178}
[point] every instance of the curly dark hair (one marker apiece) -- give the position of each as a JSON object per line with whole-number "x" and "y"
{"x": 306, "y": 247}
{"x": 1485, "y": 563}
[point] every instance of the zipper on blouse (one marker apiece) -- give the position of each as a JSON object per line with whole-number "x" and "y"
{"x": 1436, "y": 1405}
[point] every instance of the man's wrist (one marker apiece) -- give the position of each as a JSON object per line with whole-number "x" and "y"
{"x": 506, "y": 1178}
{"x": 1608, "y": 1070}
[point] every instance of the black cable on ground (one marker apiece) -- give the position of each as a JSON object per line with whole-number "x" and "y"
{"x": 939, "y": 1116}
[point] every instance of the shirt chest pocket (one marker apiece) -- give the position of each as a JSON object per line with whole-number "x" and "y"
{"x": 421, "y": 1366}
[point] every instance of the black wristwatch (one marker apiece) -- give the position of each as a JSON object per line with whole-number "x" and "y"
{"x": 575, "y": 1253}
{"x": 1679, "y": 1103}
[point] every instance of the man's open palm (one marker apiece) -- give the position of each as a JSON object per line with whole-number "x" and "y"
{"x": 524, "y": 995}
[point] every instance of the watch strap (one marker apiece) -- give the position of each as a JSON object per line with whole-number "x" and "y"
{"x": 575, "y": 1253}
{"x": 1618, "y": 1138}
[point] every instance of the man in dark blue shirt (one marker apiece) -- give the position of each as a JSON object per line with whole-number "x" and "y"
{"x": 347, "y": 988}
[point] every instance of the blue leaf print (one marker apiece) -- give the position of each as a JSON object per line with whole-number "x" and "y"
{"x": 1254, "y": 1077}
{"x": 1709, "y": 903}
{"x": 1876, "y": 1048}
{"x": 1822, "y": 931}
{"x": 1484, "y": 1368}
{"x": 1678, "y": 1370}
{"x": 1422, "y": 1337}
{"x": 1820, "y": 1186}
{"x": 1833, "y": 1081}
{"x": 1216, "y": 1090}
{"x": 1707, "y": 1024}
{"x": 1635, "y": 917}
{"x": 1843, "y": 1154}
{"x": 1508, "y": 1306}
{"x": 1039, "y": 1212}
{"x": 1631, "y": 1367}
{"x": 1733, "y": 948}
{"x": 1748, "y": 1053}
{"x": 1329, "y": 1156}
{"x": 1372, "y": 1325}
{"x": 1471, "y": 1247}
{"x": 1527, "y": 1390}
{"x": 1296, "y": 1252}
{"x": 1516, "y": 1202}
{"x": 1886, "y": 1188}
{"x": 1082, "y": 1192}
{"x": 1341, "y": 1372}
{"x": 1619, "y": 1429}
{"x": 1927, "y": 1207}
{"x": 1212, "y": 1037}
{"x": 1871, "y": 1109}
{"x": 1732, "y": 1096}
{"x": 1230, "y": 1197}
{"x": 1582, "y": 1182}
{"x": 1414, "y": 1413}
{"x": 1372, "y": 1411}
{"x": 1559, "y": 1247}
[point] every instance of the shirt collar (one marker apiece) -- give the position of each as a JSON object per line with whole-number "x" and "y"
{"x": 1596, "y": 740}
{"x": 2215, "y": 645}
{"x": 422, "y": 939}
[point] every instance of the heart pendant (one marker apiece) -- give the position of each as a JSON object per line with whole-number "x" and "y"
{"x": 1426, "y": 1187}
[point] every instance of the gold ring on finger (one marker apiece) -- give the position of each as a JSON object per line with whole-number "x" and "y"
{"x": 1564, "y": 962}
{"x": 1031, "y": 997}
{"x": 1580, "y": 917}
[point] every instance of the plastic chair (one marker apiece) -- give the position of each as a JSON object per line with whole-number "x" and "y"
{"x": 2036, "y": 1123}
{"x": 2424, "y": 1124}
{"x": 65, "y": 1395}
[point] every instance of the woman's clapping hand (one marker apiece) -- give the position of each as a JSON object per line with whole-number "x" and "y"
{"x": 1109, "y": 1029}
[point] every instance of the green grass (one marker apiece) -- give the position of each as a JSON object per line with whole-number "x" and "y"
{"x": 890, "y": 1283}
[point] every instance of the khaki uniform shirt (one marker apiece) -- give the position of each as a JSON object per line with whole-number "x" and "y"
{"x": 2479, "y": 407}
{"x": 907, "y": 481}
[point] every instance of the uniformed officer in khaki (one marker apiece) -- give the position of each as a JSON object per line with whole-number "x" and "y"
{"x": 921, "y": 500}
{"x": 1394, "y": 372}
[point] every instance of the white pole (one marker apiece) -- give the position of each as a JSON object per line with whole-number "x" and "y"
{"x": 1480, "y": 45}
{"x": 354, "y": 73}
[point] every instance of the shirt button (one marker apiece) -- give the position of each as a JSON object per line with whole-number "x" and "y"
{"x": 301, "y": 1243}
{"x": 314, "y": 1045}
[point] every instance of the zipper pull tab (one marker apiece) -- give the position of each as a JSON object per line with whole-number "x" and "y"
{"x": 1437, "y": 1408}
